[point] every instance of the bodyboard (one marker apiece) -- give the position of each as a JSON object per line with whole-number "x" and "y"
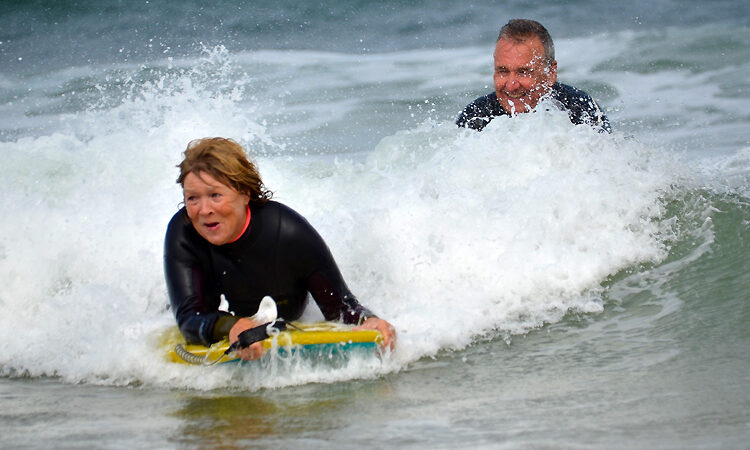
{"x": 315, "y": 340}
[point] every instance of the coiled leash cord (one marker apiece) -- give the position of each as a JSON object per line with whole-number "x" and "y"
{"x": 245, "y": 339}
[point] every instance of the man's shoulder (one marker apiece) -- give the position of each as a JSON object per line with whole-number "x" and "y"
{"x": 479, "y": 112}
{"x": 488, "y": 101}
{"x": 582, "y": 108}
{"x": 567, "y": 93}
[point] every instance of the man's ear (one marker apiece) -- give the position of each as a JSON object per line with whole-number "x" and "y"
{"x": 552, "y": 79}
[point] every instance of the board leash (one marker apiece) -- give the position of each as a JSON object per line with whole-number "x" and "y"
{"x": 244, "y": 340}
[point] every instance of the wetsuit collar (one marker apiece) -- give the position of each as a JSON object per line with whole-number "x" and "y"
{"x": 247, "y": 223}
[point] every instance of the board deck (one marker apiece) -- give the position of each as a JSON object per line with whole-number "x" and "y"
{"x": 311, "y": 339}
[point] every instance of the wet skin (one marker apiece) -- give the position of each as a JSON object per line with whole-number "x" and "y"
{"x": 521, "y": 75}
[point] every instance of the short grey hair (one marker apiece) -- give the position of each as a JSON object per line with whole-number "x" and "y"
{"x": 522, "y": 29}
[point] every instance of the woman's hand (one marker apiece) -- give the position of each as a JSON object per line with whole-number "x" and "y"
{"x": 254, "y": 350}
{"x": 385, "y": 328}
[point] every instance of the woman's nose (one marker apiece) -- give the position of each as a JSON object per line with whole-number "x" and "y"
{"x": 204, "y": 207}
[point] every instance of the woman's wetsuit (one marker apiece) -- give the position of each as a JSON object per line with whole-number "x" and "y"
{"x": 280, "y": 255}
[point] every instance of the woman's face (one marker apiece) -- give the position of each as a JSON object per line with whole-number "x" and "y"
{"x": 217, "y": 211}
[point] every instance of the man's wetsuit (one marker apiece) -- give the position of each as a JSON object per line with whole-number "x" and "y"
{"x": 580, "y": 106}
{"x": 280, "y": 254}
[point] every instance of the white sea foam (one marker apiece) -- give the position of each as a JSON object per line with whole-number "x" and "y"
{"x": 449, "y": 234}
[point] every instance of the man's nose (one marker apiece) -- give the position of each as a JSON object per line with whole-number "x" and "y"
{"x": 511, "y": 82}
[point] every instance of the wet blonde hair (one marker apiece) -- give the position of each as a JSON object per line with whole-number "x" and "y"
{"x": 225, "y": 160}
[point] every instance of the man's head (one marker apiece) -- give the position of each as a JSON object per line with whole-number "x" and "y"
{"x": 525, "y": 66}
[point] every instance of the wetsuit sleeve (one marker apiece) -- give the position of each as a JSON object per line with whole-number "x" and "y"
{"x": 187, "y": 272}
{"x": 598, "y": 118}
{"x": 479, "y": 113}
{"x": 589, "y": 112}
{"x": 322, "y": 277}
{"x": 582, "y": 109}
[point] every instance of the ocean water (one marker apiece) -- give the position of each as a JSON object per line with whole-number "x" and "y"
{"x": 552, "y": 287}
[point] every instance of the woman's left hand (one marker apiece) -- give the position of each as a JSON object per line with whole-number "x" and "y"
{"x": 385, "y": 328}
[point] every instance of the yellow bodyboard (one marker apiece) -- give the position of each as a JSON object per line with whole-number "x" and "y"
{"x": 297, "y": 336}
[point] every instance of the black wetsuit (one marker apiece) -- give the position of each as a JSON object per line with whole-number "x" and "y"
{"x": 280, "y": 254}
{"x": 580, "y": 106}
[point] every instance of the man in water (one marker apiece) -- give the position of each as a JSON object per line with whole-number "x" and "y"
{"x": 526, "y": 72}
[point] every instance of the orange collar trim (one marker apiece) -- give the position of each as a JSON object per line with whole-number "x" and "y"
{"x": 247, "y": 224}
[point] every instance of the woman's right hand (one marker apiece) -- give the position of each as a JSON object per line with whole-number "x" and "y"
{"x": 254, "y": 350}
{"x": 386, "y": 330}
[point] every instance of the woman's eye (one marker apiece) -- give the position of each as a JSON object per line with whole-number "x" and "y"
{"x": 215, "y": 196}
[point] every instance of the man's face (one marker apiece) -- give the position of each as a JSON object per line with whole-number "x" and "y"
{"x": 522, "y": 76}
